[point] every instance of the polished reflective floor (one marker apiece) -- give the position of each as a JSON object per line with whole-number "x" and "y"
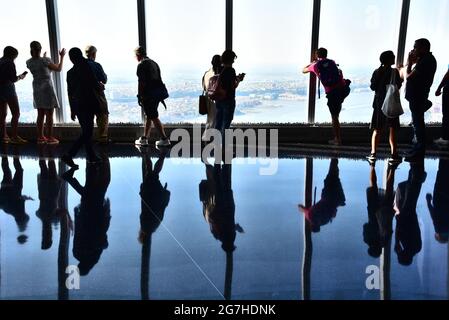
{"x": 146, "y": 226}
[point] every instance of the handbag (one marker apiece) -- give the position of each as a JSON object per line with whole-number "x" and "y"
{"x": 392, "y": 107}
{"x": 203, "y": 102}
{"x": 159, "y": 92}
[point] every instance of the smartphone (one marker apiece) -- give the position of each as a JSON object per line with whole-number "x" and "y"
{"x": 25, "y": 73}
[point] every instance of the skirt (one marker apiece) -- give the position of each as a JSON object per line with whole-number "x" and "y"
{"x": 44, "y": 95}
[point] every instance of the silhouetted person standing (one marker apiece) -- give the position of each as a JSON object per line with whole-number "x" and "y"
{"x": 82, "y": 87}
{"x": 92, "y": 216}
{"x": 419, "y": 81}
{"x": 8, "y": 96}
{"x": 211, "y": 107}
{"x": 154, "y": 201}
{"x": 44, "y": 96}
{"x": 439, "y": 204}
{"x": 382, "y": 77}
{"x": 408, "y": 233}
{"x": 443, "y": 88}
{"x": 229, "y": 81}
{"x": 103, "y": 115}
{"x": 336, "y": 87}
{"x": 150, "y": 80}
{"x": 332, "y": 197}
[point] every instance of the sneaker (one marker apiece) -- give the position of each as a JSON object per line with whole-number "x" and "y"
{"x": 142, "y": 141}
{"x": 163, "y": 143}
{"x": 395, "y": 159}
{"x": 441, "y": 142}
{"x": 42, "y": 140}
{"x": 372, "y": 158}
{"x": 18, "y": 140}
{"x": 69, "y": 162}
{"x": 52, "y": 141}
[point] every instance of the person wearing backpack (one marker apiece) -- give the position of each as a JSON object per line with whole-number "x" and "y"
{"x": 336, "y": 87}
{"x": 382, "y": 77}
{"x": 150, "y": 82}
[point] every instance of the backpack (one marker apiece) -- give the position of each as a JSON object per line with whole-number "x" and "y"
{"x": 215, "y": 90}
{"x": 328, "y": 72}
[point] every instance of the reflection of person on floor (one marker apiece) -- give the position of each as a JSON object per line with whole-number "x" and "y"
{"x": 12, "y": 201}
{"x": 219, "y": 211}
{"x": 379, "y": 229}
{"x": 92, "y": 216}
{"x": 332, "y": 197}
{"x": 408, "y": 233}
{"x": 49, "y": 186}
{"x": 439, "y": 204}
{"x": 154, "y": 200}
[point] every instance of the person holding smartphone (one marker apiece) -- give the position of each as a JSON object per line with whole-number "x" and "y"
{"x": 8, "y": 96}
{"x": 229, "y": 81}
{"x": 45, "y": 100}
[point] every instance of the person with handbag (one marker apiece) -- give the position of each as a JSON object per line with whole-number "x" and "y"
{"x": 152, "y": 91}
{"x": 382, "y": 78}
{"x": 207, "y": 105}
{"x": 103, "y": 115}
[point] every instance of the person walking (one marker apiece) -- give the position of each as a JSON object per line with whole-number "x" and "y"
{"x": 82, "y": 88}
{"x": 44, "y": 97}
{"x": 382, "y": 77}
{"x": 150, "y": 80}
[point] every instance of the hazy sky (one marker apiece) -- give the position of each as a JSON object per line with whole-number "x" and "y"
{"x": 185, "y": 34}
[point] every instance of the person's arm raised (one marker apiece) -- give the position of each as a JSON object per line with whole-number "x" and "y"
{"x": 57, "y": 67}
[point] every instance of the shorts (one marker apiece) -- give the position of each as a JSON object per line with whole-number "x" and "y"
{"x": 7, "y": 92}
{"x": 335, "y": 99}
{"x": 150, "y": 108}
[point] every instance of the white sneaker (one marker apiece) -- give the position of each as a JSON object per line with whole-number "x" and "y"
{"x": 142, "y": 141}
{"x": 163, "y": 143}
{"x": 441, "y": 142}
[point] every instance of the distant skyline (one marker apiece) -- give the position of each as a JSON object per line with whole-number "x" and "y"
{"x": 271, "y": 38}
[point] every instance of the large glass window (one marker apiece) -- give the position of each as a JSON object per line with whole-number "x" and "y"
{"x": 272, "y": 41}
{"x": 21, "y": 22}
{"x": 430, "y": 19}
{"x": 356, "y": 33}
{"x": 111, "y": 26}
{"x": 183, "y": 36}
